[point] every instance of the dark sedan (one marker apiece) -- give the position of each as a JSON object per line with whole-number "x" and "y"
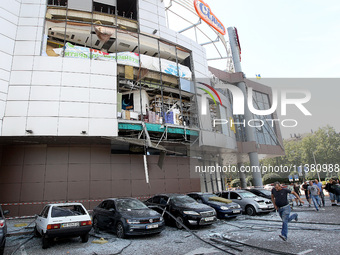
{"x": 3, "y": 230}
{"x": 127, "y": 216}
{"x": 224, "y": 210}
{"x": 185, "y": 209}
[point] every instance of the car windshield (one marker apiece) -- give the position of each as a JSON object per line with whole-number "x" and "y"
{"x": 182, "y": 200}
{"x": 207, "y": 196}
{"x": 247, "y": 194}
{"x": 266, "y": 192}
{"x": 129, "y": 204}
{"x": 68, "y": 210}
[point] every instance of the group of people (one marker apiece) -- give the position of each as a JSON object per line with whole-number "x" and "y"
{"x": 313, "y": 191}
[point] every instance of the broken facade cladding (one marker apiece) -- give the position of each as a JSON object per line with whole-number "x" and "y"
{"x": 100, "y": 99}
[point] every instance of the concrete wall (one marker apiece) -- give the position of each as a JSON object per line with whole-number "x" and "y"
{"x": 45, "y": 173}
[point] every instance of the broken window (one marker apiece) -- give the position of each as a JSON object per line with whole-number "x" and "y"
{"x": 127, "y": 9}
{"x": 57, "y": 2}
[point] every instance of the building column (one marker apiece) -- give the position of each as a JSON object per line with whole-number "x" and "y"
{"x": 242, "y": 176}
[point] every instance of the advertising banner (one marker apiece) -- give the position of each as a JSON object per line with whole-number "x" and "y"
{"x": 126, "y": 58}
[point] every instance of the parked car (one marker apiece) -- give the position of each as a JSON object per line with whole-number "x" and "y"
{"x": 62, "y": 220}
{"x": 185, "y": 209}
{"x": 261, "y": 192}
{"x": 127, "y": 216}
{"x": 3, "y": 230}
{"x": 225, "y": 209}
{"x": 250, "y": 203}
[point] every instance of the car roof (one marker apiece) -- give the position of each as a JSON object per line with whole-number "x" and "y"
{"x": 202, "y": 193}
{"x": 65, "y": 204}
{"x": 170, "y": 195}
{"x": 119, "y": 198}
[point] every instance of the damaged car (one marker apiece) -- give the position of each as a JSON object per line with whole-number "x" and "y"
{"x": 224, "y": 208}
{"x": 250, "y": 203}
{"x": 3, "y": 230}
{"x": 62, "y": 220}
{"x": 184, "y": 210}
{"x": 127, "y": 216}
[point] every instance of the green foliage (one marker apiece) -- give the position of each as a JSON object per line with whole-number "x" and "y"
{"x": 324, "y": 144}
{"x": 270, "y": 178}
{"x": 235, "y": 183}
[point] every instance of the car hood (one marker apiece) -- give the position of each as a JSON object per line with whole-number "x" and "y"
{"x": 216, "y": 204}
{"x": 140, "y": 214}
{"x": 261, "y": 199}
{"x": 195, "y": 207}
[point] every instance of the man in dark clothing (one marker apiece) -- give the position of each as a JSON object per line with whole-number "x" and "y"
{"x": 305, "y": 189}
{"x": 332, "y": 192}
{"x": 281, "y": 204}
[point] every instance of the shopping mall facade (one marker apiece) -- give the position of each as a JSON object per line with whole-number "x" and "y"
{"x": 104, "y": 99}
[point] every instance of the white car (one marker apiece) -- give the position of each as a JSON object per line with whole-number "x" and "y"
{"x": 62, "y": 220}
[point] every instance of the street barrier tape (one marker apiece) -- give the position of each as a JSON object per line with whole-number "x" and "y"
{"x": 55, "y": 202}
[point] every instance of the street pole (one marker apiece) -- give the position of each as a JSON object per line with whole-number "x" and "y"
{"x": 250, "y": 131}
{"x": 316, "y": 167}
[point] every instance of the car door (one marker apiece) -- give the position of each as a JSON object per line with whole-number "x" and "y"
{"x": 111, "y": 214}
{"x": 42, "y": 220}
{"x": 100, "y": 214}
{"x": 225, "y": 195}
{"x": 154, "y": 204}
{"x": 235, "y": 197}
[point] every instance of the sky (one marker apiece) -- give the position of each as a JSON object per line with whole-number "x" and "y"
{"x": 292, "y": 45}
{"x": 285, "y": 39}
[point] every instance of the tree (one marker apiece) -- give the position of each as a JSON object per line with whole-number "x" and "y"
{"x": 235, "y": 183}
{"x": 271, "y": 177}
{"x": 319, "y": 150}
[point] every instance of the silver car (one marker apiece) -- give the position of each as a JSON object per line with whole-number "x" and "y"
{"x": 249, "y": 202}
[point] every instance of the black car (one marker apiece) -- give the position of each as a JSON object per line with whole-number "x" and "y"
{"x": 3, "y": 230}
{"x": 223, "y": 210}
{"x": 261, "y": 193}
{"x": 127, "y": 216}
{"x": 184, "y": 208}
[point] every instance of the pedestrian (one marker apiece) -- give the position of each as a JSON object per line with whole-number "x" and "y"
{"x": 330, "y": 188}
{"x": 337, "y": 190}
{"x": 314, "y": 193}
{"x": 297, "y": 191}
{"x": 280, "y": 201}
{"x": 322, "y": 196}
{"x": 305, "y": 189}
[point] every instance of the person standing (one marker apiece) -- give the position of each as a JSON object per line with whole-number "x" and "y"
{"x": 305, "y": 189}
{"x": 281, "y": 204}
{"x": 330, "y": 188}
{"x": 314, "y": 192}
{"x": 297, "y": 191}
{"x": 322, "y": 196}
{"x": 337, "y": 190}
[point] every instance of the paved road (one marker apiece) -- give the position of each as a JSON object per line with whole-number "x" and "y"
{"x": 305, "y": 237}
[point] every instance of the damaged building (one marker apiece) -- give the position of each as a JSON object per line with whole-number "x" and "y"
{"x": 104, "y": 99}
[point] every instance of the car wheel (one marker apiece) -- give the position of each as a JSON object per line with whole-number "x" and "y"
{"x": 95, "y": 225}
{"x": 179, "y": 219}
{"x": 36, "y": 232}
{"x": 84, "y": 238}
{"x": 46, "y": 242}
{"x": 250, "y": 210}
{"x": 120, "y": 230}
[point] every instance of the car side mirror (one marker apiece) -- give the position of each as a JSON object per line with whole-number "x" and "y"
{"x": 112, "y": 210}
{"x": 239, "y": 198}
{"x": 6, "y": 212}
